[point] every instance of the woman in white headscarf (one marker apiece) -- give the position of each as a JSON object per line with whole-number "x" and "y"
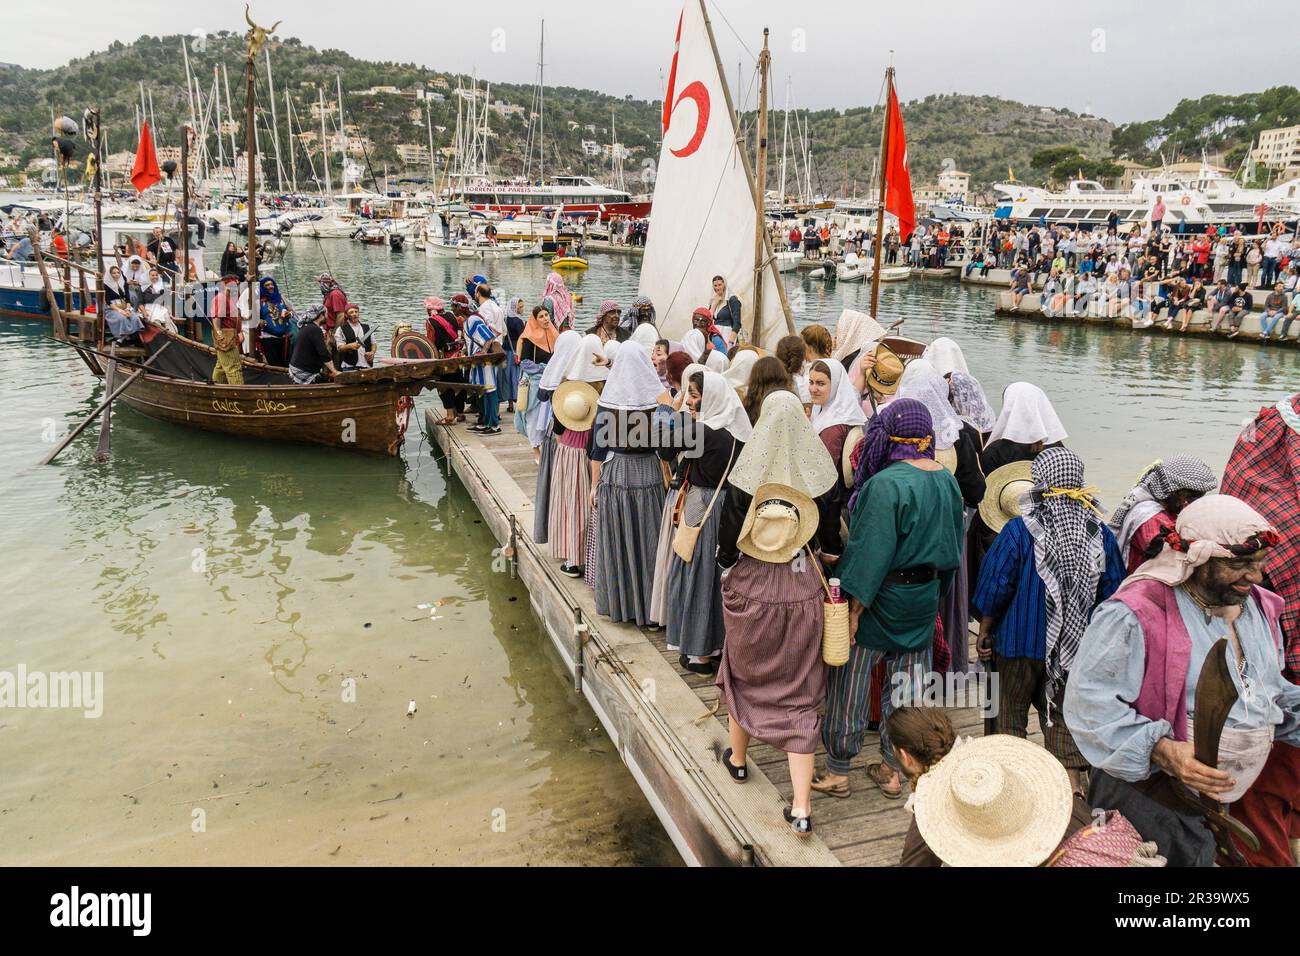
{"x": 957, "y": 447}
{"x": 710, "y": 436}
{"x": 537, "y": 421}
{"x": 645, "y": 334}
{"x": 716, "y": 361}
{"x": 1027, "y": 425}
{"x": 946, "y": 356}
{"x": 771, "y": 678}
{"x": 669, "y": 518}
{"x": 628, "y": 486}
{"x": 570, "y": 493}
{"x": 966, "y": 395}
{"x": 836, "y": 413}
{"x": 737, "y": 374}
{"x": 695, "y": 345}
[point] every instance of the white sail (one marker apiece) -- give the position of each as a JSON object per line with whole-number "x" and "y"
{"x": 703, "y": 215}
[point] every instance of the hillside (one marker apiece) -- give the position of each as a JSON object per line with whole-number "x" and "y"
{"x": 1215, "y": 124}
{"x": 980, "y": 134}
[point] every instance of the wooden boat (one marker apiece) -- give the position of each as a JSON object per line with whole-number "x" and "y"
{"x": 366, "y": 410}
{"x": 905, "y": 348}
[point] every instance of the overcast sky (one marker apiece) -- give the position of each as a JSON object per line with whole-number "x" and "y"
{"x": 1123, "y": 59}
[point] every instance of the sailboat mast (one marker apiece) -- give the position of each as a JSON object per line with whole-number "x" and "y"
{"x": 884, "y": 165}
{"x": 275, "y": 125}
{"x": 293, "y": 164}
{"x": 250, "y": 147}
{"x": 541, "y": 107}
{"x": 343, "y": 136}
{"x": 785, "y": 136}
{"x": 749, "y": 172}
{"x": 230, "y": 118}
{"x": 324, "y": 145}
{"x": 760, "y": 219}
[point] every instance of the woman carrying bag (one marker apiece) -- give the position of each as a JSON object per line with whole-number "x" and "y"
{"x": 772, "y": 678}
{"x": 714, "y": 440}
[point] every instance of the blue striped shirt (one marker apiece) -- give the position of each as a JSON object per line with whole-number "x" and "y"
{"x": 1011, "y": 592}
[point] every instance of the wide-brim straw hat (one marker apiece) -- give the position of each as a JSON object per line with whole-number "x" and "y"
{"x": 846, "y": 456}
{"x": 779, "y": 522}
{"x": 947, "y": 457}
{"x": 884, "y": 377}
{"x": 1002, "y": 491}
{"x": 574, "y": 405}
{"x": 994, "y": 801}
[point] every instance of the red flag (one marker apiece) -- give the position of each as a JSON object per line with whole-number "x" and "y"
{"x": 898, "y": 181}
{"x": 145, "y": 172}
{"x": 672, "y": 73}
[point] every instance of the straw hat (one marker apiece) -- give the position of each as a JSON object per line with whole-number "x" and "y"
{"x": 846, "y": 456}
{"x": 947, "y": 457}
{"x": 779, "y": 522}
{"x": 883, "y": 378}
{"x": 574, "y": 405}
{"x": 994, "y": 801}
{"x": 1002, "y": 491}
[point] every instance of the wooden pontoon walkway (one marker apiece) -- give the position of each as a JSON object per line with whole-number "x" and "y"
{"x": 661, "y": 718}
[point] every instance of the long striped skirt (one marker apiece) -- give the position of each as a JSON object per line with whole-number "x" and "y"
{"x": 772, "y": 678}
{"x": 570, "y": 489}
{"x": 954, "y": 610}
{"x": 542, "y": 500}
{"x": 694, "y": 600}
{"x": 508, "y": 378}
{"x": 663, "y": 551}
{"x": 593, "y": 543}
{"x": 629, "y": 501}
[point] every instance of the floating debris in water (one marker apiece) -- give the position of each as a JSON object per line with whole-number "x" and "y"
{"x": 410, "y": 709}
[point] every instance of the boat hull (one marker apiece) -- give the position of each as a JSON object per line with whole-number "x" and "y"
{"x": 601, "y": 211}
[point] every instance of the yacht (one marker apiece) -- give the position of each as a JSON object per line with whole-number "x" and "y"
{"x": 1085, "y": 202}
{"x": 574, "y": 195}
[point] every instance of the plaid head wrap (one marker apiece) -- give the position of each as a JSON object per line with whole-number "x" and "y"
{"x": 1161, "y": 480}
{"x": 1264, "y": 472}
{"x": 901, "y": 429}
{"x": 1064, "y": 519}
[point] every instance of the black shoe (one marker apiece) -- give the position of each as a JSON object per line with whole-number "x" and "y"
{"x": 494, "y": 430}
{"x": 802, "y": 826}
{"x": 475, "y": 428}
{"x": 738, "y": 774}
{"x": 571, "y": 570}
{"x": 708, "y": 667}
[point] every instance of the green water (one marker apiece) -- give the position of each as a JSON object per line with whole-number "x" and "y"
{"x": 253, "y": 607}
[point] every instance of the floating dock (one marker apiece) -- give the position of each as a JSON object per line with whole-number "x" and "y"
{"x": 666, "y": 723}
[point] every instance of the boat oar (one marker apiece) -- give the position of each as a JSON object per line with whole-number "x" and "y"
{"x": 103, "y": 449}
{"x": 103, "y": 405}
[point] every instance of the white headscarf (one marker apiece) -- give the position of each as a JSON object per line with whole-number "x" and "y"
{"x": 720, "y": 407}
{"x": 784, "y": 449}
{"x": 737, "y": 375}
{"x": 633, "y": 383}
{"x": 693, "y": 342}
{"x": 566, "y": 347}
{"x": 922, "y": 381}
{"x": 119, "y": 286}
{"x": 583, "y": 369}
{"x": 646, "y": 334}
{"x": 843, "y": 407}
{"x": 1027, "y": 416}
{"x": 946, "y": 356}
{"x": 716, "y": 361}
{"x": 611, "y": 350}
{"x": 854, "y": 331}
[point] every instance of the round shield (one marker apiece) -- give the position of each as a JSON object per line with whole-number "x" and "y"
{"x": 412, "y": 345}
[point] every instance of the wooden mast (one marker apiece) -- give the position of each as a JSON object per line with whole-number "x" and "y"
{"x": 760, "y": 220}
{"x": 744, "y": 162}
{"x": 884, "y": 164}
{"x": 250, "y": 151}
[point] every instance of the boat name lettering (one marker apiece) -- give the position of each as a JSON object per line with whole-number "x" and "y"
{"x": 226, "y": 405}
{"x": 267, "y": 406}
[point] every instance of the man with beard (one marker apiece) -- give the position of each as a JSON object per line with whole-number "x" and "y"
{"x": 1136, "y": 690}
{"x": 335, "y": 302}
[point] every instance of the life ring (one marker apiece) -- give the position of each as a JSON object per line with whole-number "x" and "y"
{"x": 1187, "y": 200}
{"x": 412, "y": 345}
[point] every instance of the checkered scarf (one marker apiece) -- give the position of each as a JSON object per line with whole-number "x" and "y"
{"x": 901, "y": 429}
{"x": 1161, "y": 480}
{"x": 1264, "y": 472}
{"x": 1065, "y": 521}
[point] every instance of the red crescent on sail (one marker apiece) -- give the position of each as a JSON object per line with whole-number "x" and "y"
{"x": 698, "y": 92}
{"x": 672, "y": 72}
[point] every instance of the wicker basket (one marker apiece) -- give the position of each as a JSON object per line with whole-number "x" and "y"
{"x": 836, "y": 638}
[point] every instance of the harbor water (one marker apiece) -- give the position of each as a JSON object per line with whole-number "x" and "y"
{"x": 263, "y": 615}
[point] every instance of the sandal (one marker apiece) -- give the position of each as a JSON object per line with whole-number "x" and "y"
{"x": 875, "y": 775}
{"x": 822, "y": 784}
{"x": 738, "y": 774}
